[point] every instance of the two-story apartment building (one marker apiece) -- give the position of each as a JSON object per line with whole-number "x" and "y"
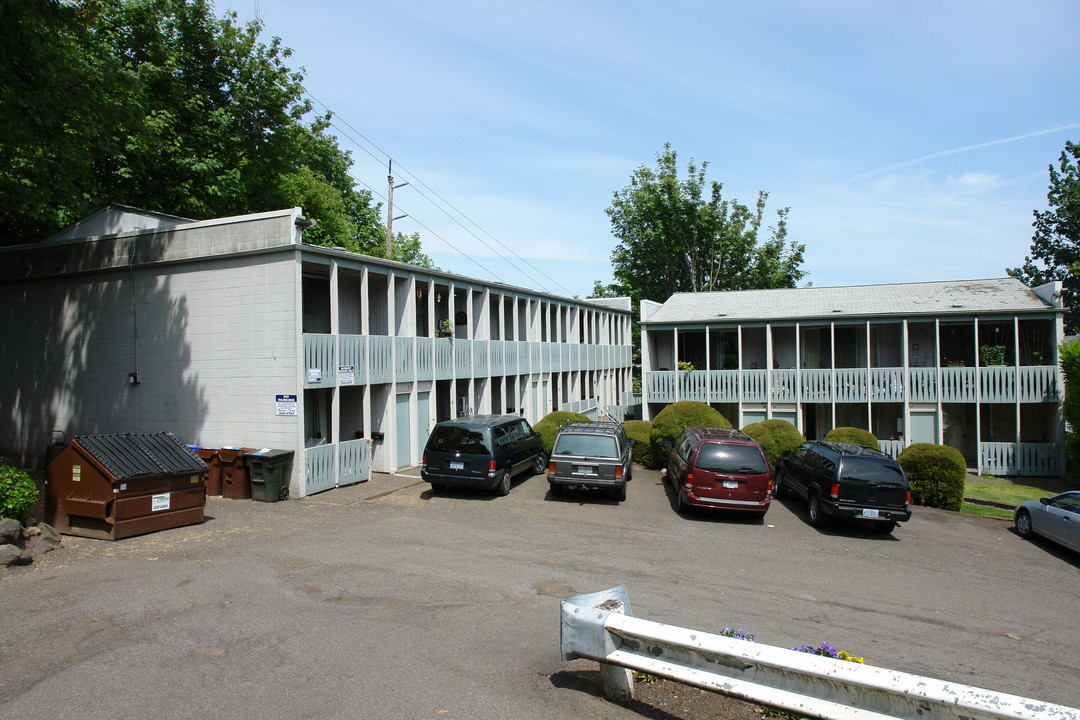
{"x": 234, "y": 332}
{"x": 972, "y": 364}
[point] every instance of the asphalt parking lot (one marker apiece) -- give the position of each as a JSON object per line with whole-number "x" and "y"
{"x": 387, "y": 601}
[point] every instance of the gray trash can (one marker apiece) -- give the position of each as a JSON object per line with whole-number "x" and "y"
{"x": 267, "y": 470}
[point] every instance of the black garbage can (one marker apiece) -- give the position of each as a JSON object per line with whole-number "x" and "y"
{"x": 267, "y": 470}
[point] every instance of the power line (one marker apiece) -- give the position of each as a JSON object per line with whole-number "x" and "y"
{"x": 436, "y": 205}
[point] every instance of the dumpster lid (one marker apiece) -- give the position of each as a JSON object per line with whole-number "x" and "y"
{"x": 130, "y": 455}
{"x": 269, "y": 453}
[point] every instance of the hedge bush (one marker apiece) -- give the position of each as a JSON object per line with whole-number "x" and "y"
{"x": 18, "y": 491}
{"x": 549, "y": 425}
{"x": 669, "y": 424}
{"x": 1070, "y": 370}
{"x": 853, "y": 435}
{"x": 936, "y": 474}
{"x": 638, "y": 431}
{"x": 775, "y": 437}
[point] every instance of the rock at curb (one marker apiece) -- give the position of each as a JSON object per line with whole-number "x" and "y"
{"x": 39, "y": 546}
{"x": 49, "y": 534}
{"x": 12, "y": 555}
{"x": 10, "y": 531}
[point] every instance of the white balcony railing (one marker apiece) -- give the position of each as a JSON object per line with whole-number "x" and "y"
{"x": 353, "y": 458}
{"x": 377, "y": 359}
{"x": 856, "y": 385}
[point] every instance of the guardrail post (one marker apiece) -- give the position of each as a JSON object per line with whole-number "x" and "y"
{"x": 583, "y": 620}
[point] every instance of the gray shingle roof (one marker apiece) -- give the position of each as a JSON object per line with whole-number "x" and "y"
{"x": 951, "y": 297}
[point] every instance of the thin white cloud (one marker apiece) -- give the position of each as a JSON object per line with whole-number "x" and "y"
{"x": 957, "y": 151}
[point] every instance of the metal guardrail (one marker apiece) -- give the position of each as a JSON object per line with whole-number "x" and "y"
{"x": 599, "y": 626}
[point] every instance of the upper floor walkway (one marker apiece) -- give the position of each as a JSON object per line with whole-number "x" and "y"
{"x": 999, "y": 384}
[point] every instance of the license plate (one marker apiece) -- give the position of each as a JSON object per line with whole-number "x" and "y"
{"x": 866, "y": 513}
{"x": 457, "y": 465}
{"x": 731, "y": 484}
{"x": 584, "y": 470}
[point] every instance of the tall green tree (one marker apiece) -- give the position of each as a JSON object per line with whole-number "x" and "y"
{"x": 163, "y": 105}
{"x": 1055, "y": 246}
{"x": 681, "y": 235}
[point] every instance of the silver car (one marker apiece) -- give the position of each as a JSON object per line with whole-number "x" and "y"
{"x": 1056, "y": 518}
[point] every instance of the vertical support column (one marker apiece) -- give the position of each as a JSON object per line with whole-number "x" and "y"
{"x": 451, "y": 314}
{"x": 675, "y": 362}
{"x": 769, "y": 363}
{"x": 1016, "y": 377}
{"x": 708, "y": 376}
{"x": 335, "y": 398}
{"x": 905, "y": 360}
{"x": 937, "y": 371}
{"x": 832, "y": 363}
{"x": 869, "y": 384}
{"x": 739, "y": 384}
{"x": 978, "y": 401}
{"x": 798, "y": 380}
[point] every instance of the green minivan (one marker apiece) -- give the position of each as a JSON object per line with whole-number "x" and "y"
{"x": 482, "y": 451}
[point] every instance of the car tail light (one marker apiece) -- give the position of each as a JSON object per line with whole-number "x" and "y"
{"x": 834, "y": 491}
{"x": 689, "y": 479}
{"x": 551, "y": 467}
{"x": 424, "y": 460}
{"x": 618, "y": 472}
{"x": 769, "y": 490}
{"x": 907, "y": 498}
{"x": 491, "y": 466}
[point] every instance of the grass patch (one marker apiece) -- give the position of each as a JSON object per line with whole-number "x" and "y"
{"x": 1003, "y": 492}
{"x": 985, "y": 510}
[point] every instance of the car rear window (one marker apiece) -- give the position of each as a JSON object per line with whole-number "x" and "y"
{"x": 855, "y": 468}
{"x": 731, "y": 459}
{"x": 455, "y": 438}
{"x": 591, "y": 445}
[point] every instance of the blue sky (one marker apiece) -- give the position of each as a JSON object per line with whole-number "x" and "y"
{"x": 910, "y": 141}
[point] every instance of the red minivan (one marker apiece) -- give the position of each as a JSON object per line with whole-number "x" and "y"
{"x": 719, "y": 468}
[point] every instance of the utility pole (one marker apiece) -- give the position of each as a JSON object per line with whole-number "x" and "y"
{"x": 390, "y": 207}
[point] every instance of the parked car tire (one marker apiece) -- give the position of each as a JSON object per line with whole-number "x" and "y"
{"x": 1023, "y": 524}
{"x": 817, "y": 518}
{"x": 503, "y": 488}
{"x": 779, "y": 490}
{"x": 437, "y": 487}
{"x": 557, "y": 490}
{"x": 883, "y": 528}
{"x": 620, "y": 492}
{"x": 680, "y": 504}
{"x": 539, "y": 464}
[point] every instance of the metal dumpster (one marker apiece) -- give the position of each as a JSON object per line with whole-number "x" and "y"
{"x": 234, "y": 472}
{"x": 268, "y": 469}
{"x": 115, "y": 486}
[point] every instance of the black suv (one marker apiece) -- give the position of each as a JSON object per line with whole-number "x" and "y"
{"x": 591, "y": 455}
{"x": 841, "y": 480}
{"x": 481, "y": 451}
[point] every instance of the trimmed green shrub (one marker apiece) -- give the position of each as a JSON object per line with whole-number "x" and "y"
{"x": 638, "y": 431}
{"x": 855, "y": 436}
{"x": 936, "y": 474}
{"x": 1070, "y": 370}
{"x": 775, "y": 437}
{"x": 669, "y": 424}
{"x": 549, "y": 425}
{"x": 18, "y": 491}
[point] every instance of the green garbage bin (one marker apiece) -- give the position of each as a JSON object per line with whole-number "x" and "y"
{"x": 267, "y": 470}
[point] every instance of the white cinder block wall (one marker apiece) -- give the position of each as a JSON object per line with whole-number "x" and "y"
{"x": 211, "y": 342}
